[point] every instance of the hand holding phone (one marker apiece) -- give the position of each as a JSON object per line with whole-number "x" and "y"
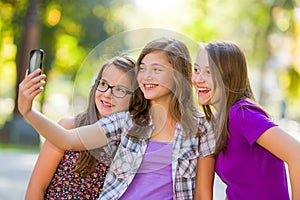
{"x": 36, "y": 60}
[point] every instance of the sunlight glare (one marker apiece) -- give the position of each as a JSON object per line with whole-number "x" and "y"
{"x": 164, "y": 13}
{"x": 156, "y": 6}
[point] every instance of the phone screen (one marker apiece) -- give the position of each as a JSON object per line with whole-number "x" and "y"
{"x": 36, "y": 60}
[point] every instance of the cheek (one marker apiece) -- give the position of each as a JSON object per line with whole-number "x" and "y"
{"x": 139, "y": 76}
{"x": 167, "y": 80}
{"x": 98, "y": 96}
{"x": 194, "y": 78}
{"x": 139, "y": 79}
{"x": 209, "y": 82}
{"x": 218, "y": 94}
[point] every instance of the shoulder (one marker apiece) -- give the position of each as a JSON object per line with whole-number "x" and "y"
{"x": 244, "y": 108}
{"x": 67, "y": 123}
{"x": 201, "y": 118}
{"x": 247, "y": 114}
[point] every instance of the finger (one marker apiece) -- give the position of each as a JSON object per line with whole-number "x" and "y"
{"x": 34, "y": 87}
{"x": 34, "y": 73}
{"x": 34, "y": 80}
{"x": 38, "y": 78}
{"x": 36, "y": 92}
{"x": 29, "y": 77}
{"x": 26, "y": 73}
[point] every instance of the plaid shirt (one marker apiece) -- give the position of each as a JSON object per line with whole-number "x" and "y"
{"x": 129, "y": 156}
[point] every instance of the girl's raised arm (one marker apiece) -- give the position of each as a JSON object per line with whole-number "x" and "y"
{"x": 87, "y": 137}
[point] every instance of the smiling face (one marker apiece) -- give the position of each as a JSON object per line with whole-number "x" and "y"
{"x": 106, "y": 103}
{"x": 155, "y": 77}
{"x": 202, "y": 78}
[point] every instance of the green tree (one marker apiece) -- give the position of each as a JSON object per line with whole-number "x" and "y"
{"x": 66, "y": 30}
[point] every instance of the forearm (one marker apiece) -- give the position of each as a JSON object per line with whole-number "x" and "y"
{"x": 294, "y": 173}
{"x": 205, "y": 178}
{"x": 34, "y": 193}
{"x": 50, "y": 130}
{"x": 81, "y": 138}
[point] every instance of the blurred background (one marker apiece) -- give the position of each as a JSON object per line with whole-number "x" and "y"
{"x": 267, "y": 30}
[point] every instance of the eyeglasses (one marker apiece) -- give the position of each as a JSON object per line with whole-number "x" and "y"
{"x": 117, "y": 91}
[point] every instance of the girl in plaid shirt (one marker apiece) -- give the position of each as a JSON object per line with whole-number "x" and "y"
{"x": 162, "y": 136}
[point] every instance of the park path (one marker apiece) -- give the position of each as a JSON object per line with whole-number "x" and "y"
{"x": 15, "y": 171}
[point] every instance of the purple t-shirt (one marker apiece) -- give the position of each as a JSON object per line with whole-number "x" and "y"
{"x": 248, "y": 170}
{"x": 154, "y": 177}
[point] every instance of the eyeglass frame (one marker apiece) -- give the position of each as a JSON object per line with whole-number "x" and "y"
{"x": 97, "y": 81}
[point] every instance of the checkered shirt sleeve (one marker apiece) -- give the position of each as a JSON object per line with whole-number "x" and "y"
{"x": 113, "y": 126}
{"x": 208, "y": 139}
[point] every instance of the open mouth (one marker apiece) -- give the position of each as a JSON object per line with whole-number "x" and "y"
{"x": 203, "y": 90}
{"x": 106, "y": 104}
{"x": 150, "y": 86}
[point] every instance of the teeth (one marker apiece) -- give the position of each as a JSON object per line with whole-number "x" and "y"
{"x": 202, "y": 89}
{"x": 149, "y": 85}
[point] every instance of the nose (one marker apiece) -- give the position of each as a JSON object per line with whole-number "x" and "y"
{"x": 147, "y": 75}
{"x": 199, "y": 78}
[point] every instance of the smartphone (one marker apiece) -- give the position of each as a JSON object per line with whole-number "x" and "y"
{"x": 36, "y": 60}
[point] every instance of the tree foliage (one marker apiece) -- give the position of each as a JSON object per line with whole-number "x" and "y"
{"x": 268, "y": 31}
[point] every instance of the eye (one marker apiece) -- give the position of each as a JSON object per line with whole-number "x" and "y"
{"x": 156, "y": 69}
{"x": 119, "y": 89}
{"x": 207, "y": 71}
{"x": 141, "y": 68}
{"x": 102, "y": 83}
{"x": 196, "y": 70}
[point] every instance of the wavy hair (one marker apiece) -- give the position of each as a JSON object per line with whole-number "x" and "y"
{"x": 182, "y": 105}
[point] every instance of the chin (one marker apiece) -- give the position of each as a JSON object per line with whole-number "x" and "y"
{"x": 203, "y": 101}
{"x": 105, "y": 112}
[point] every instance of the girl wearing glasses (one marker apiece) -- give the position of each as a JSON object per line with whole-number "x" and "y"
{"x": 80, "y": 174}
{"x": 162, "y": 136}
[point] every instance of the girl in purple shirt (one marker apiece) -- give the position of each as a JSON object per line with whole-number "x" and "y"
{"x": 251, "y": 149}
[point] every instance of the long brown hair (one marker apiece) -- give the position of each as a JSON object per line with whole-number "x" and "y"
{"x": 86, "y": 162}
{"x": 182, "y": 104}
{"x": 231, "y": 64}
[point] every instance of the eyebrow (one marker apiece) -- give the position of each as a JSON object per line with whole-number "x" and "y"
{"x": 114, "y": 85}
{"x": 195, "y": 64}
{"x": 156, "y": 64}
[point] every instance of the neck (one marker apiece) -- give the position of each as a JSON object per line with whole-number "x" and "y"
{"x": 164, "y": 124}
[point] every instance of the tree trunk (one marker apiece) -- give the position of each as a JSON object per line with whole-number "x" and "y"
{"x": 17, "y": 130}
{"x": 30, "y": 40}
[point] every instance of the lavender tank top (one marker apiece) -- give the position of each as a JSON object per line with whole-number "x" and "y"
{"x": 154, "y": 177}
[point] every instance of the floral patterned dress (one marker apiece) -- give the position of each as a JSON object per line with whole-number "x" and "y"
{"x": 67, "y": 184}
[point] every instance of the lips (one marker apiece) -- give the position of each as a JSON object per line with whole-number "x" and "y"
{"x": 150, "y": 86}
{"x": 203, "y": 90}
{"x": 106, "y": 104}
